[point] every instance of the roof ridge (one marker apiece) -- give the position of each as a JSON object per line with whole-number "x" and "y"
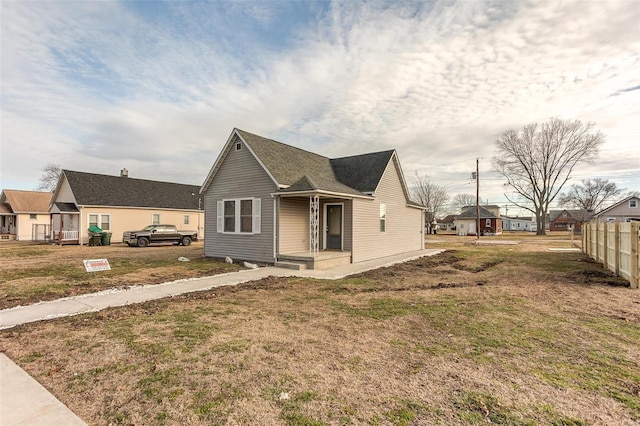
{"x": 130, "y": 178}
{"x": 362, "y": 155}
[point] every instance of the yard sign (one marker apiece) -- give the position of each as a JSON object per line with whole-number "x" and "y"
{"x": 94, "y": 265}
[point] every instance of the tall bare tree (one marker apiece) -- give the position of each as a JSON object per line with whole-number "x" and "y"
{"x": 50, "y": 176}
{"x": 538, "y": 160}
{"x": 430, "y": 195}
{"x": 590, "y": 195}
{"x": 463, "y": 200}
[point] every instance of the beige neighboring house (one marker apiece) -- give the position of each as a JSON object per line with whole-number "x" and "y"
{"x": 119, "y": 203}
{"x": 270, "y": 202}
{"x": 627, "y": 210}
{"x": 24, "y": 215}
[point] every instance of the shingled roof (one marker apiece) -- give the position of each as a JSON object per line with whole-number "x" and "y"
{"x": 297, "y": 170}
{"x": 471, "y": 213}
{"x": 90, "y": 189}
{"x": 26, "y": 201}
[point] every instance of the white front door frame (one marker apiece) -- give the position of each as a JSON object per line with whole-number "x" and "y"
{"x": 324, "y": 231}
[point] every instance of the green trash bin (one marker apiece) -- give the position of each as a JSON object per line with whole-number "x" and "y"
{"x": 95, "y": 238}
{"x": 105, "y": 239}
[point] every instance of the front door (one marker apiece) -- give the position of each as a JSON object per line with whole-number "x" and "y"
{"x": 334, "y": 227}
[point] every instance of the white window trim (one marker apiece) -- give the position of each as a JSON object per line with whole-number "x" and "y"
{"x": 380, "y": 219}
{"x": 186, "y": 219}
{"x": 159, "y": 218}
{"x": 488, "y": 222}
{"x": 634, "y": 202}
{"x": 100, "y": 220}
{"x": 256, "y": 216}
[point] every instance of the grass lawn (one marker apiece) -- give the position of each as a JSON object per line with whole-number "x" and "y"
{"x": 30, "y": 273}
{"x": 513, "y": 335}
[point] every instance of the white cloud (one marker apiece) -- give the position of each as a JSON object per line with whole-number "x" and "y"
{"x": 106, "y": 84}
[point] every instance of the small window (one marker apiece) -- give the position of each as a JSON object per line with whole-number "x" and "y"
{"x": 633, "y": 204}
{"x": 155, "y": 219}
{"x": 105, "y": 222}
{"x": 246, "y": 215}
{"x": 383, "y": 218}
{"x": 230, "y": 216}
{"x": 564, "y": 214}
{"x": 186, "y": 219}
{"x": 238, "y": 146}
{"x": 102, "y": 221}
{"x": 33, "y": 216}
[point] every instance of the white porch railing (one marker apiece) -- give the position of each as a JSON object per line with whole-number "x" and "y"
{"x": 66, "y": 235}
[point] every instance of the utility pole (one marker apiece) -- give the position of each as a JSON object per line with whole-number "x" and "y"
{"x": 477, "y": 198}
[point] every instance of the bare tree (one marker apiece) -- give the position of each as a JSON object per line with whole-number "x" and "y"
{"x": 538, "y": 160}
{"x": 590, "y": 195}
{"x": 430, "y": 195}
{"x": 50, "y": 176}
{"x": 463, "y": 200}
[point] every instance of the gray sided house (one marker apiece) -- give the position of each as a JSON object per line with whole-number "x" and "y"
{"x": 270, "y": 202}
{"x": 627, "y": 210}
{"x": 519, "y": 223}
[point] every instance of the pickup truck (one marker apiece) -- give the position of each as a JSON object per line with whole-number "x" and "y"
{"x": 159, "y": 234}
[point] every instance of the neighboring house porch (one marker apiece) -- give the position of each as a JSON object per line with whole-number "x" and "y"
{"x": 65, "y": 223}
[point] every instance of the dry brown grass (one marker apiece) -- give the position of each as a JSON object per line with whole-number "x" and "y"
{"x": 30, "y": 273}
{"x": 509, "y": 335}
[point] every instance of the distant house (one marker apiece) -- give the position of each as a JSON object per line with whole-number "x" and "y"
{"x": 24, "y": 215}
{"x": 564, "y": 220}
{"x": 627, "y": 210}
{"x": 270, "y": 202}
{"x": 120, "y": 203}
{"x": 519, "y": 223}
{"x": 447, "y": 223}
{"x": 490, "y": 221}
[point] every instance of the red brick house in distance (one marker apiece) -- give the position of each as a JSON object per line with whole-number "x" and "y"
{"x": 564, "y": 220}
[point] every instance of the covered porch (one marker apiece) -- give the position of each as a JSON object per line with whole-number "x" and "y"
{"x": 7, "y": 224}
{"x": 65, "y": 224}
{"x": 313, "y": 230}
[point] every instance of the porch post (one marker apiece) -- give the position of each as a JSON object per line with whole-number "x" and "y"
{"x": 60, "y": 230}
{"x": 314, "y": 224}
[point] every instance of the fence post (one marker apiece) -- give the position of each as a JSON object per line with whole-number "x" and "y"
{"x": 605, "y": 246}
{"x": 635, "y": 254}
{"x": 616, "y": 250}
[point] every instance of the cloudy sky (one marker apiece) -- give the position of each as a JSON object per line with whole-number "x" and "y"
{"x": 157, "y": 87}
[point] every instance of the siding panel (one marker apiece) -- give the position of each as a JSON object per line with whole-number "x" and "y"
{"x": 404, "y": 224}
{"x": 294, "y": 225}
{"x": 240, "y": 175}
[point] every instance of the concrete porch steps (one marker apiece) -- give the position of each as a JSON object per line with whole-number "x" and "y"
{"x": 296, "y": 266}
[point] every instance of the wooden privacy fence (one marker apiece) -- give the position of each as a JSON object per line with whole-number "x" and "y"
{"x": 616, "y": 245}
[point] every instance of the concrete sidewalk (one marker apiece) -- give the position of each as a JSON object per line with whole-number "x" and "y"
{"x": 23, "y": 401}
{"x": 94, "y": 302}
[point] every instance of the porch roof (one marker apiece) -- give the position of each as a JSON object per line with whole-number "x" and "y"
{"x": 308, "y": 186}
{"x": 66, "y": 207}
